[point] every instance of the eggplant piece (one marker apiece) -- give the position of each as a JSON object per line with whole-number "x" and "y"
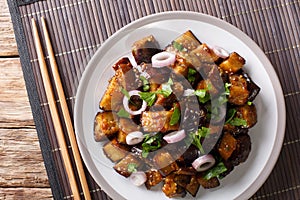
{"x": 229, "y": 166}
{"x": 193, "y": 186}
{"x": 208, "y": 184}
{"x": 235, "y": 130}
{"x": 171, "y": 188}
{"x": 166, "y": 102}
{"x": 153, "y": 178}
{"x": 122, "y": 167}
{"x": 252, "y": 87}
{"x": 190, "y": 171}
{"x": 105, "y": 126}
{"x": 121, "y": 137}
{"x": 144, "y": 49}
{"x": 233, "y": 63}
{"x": 181, "y": 66}
{"x": 182, "y": 180}
{"x": 247, "y": 113}
{"x": 158, "y": 121}
{"x": 113, "y": 97}
{"x": 114, "y": 150}
{"x": 191, "y": 154}
{"x": 126, "y": 126}
{"x": 238, "y": 90}
{"x": 185, "y": 42}
{"x": 125, "y": 77}
{"x": 242, "y": 150}
{"x": 164, "y": 162}
{"x": 193, "y": 115}
{"x": 205, "y": 54}
{"x": 128, "y": 76}
{"x": 157, "y": 75}
{"x": 227, "y": 145}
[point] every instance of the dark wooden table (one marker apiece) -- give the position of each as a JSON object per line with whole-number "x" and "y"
{"x": 22, "y": 171}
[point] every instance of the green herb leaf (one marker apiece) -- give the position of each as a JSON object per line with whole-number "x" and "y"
{"x": 202, "y": 132}
{"x": 166, "y": 89}
{"x": 146, "y": 86}
{"x": 178, "y": 46}
{"x": 238, "y": 122}
{"x": 230, "y": 114}
{"x": 202, "y": 95}
{"x": 125, "y": 92}
{"x": 151, "y": 143}
{"x": 191, "y": 75}
{"x": 132, "y": 167}
{"x": 227, "y": 90}
{"x": 149, "y": 97}
{"x": 216, "y": 171}
{"x": 123, "y": 113}
{"x": 249, "y": 103}
{"x": 175, "y": 116}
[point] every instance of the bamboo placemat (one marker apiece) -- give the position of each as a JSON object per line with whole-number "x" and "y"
{"x": 79, "y": 27}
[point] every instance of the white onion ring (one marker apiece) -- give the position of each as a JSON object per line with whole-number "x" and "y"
{"x": 126, "y": 103}
{"x": 219, "y": 51}
{"x": 175, "y": 136}
{"x": 138, "y": 178}
{"x": 134, "y": 138}
{"x": 203, "y": 163}
{"x": 163, "y": 59}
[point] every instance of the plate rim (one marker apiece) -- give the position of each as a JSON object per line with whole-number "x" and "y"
{"x": 191, "y": 15}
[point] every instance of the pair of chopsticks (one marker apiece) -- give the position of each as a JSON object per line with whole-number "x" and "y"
{"x": 54, "y": 112}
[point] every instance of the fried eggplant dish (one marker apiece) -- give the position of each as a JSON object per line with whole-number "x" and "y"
{"x": 177, "y": 118}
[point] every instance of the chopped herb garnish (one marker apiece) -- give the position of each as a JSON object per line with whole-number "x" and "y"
{"x": 166, "y": 89}
{"x": 202, "y": 132}
{"x": 202, "y": 95}
{"x": 249, "y": 103}
{"x": 191, "y": 75}
{"x": 146, "y": 86}
{"x": 216, "y": 171}
{"x": 151, "y": 143}
{"x": 149, "y": 97}
{"x": 132, "y": 167}
{"x": 234, "y": 121}
{"x": 227, "y": 90}
{"x": 178, "y": 46}
{"x": 125, "y": 92}
{"x": 230, "y": 114}
{"x": 175, "y": 116}
{"x": 238, "y": 122}
{"x": 123, "y": 113}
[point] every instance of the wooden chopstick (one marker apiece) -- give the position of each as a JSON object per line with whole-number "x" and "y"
{"x": 65, "y": 112}
{"x": 55, "y": 117}
{"x": 54, "y": 112}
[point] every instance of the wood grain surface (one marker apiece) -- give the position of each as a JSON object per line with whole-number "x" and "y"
{"x": 22, "y": 170}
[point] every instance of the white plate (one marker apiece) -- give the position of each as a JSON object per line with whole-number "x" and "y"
{"x": 267, "y": 135}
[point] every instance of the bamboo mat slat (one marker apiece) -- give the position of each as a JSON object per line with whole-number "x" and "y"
{"x": 78, "y": 28}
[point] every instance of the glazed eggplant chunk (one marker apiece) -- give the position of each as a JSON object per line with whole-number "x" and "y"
{"x": 144, "y": 49}
{"x": 105, "y": 125}
{"x": 178, "y": 121}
